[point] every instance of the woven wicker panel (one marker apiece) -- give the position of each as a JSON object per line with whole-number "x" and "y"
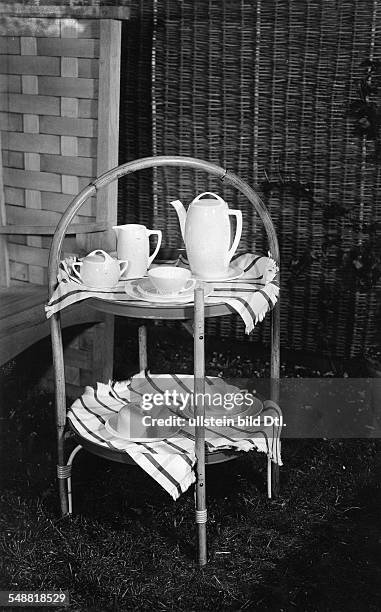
{"x": 264, "y": 88}
{"x": 135, "y": 140}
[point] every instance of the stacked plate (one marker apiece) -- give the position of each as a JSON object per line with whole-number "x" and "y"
{"x": 134, "y": 424}
{"x": 224, "y": 401}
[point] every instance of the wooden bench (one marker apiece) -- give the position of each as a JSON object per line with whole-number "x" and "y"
{"x": 23, "y": 321}
{"x": 22, "y": 314}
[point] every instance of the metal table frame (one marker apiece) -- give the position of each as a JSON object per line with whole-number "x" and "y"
{"x": 188, "y": 312}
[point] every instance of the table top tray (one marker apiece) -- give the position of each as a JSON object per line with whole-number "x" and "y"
{"x": 145, "y": 310}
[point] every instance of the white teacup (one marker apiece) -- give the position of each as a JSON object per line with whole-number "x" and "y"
{"x": 169, "y": 280}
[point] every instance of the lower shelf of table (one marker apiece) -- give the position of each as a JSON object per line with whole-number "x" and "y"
{"x": 145, "y": 310}
{"x": 220, "y": 456}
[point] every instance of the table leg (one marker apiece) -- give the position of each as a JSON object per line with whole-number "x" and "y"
{"x": 60, "y": 404}
{"x": 275, "y": 480}
{"x": 143, "y": 360}
{"x": 199, "y": 390}
{"x": 275, "y": 375}
{"x": 62, "y": 488}
{"x": 102, "y": 366}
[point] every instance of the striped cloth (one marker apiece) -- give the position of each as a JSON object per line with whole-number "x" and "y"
{"x": 251, "y": 296}
{"x": 170, "y": 462}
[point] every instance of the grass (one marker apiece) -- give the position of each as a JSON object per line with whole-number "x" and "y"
{"x": 130, "y": 547}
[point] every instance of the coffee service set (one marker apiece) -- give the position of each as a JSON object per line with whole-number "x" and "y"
{"x": 210, "y": 246}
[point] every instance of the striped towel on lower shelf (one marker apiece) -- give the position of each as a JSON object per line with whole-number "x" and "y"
{"x": 251, "y": 296}
{"x": 170, "y": 462}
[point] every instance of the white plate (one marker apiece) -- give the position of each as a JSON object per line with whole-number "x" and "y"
{"x": 110, "y": 427}
{"x": 97, "y": 288}
{"x": 233, "y": 272}
{"x": 131, "y": 288}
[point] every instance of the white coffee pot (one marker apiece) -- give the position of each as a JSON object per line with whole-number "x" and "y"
{"x": 207, "y": 235}
{"x": 99, "y": 270}
{"x": 132, "y": 243}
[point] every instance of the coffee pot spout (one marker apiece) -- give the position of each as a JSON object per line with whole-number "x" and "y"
{"x": 182, "y": 215}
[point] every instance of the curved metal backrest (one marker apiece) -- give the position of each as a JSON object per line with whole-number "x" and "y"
{"x": 149, "y": 162}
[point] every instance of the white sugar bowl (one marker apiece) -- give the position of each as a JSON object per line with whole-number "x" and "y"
{"x": 99, "y": 270}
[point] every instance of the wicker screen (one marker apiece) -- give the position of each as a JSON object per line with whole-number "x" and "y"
{"x": 264, "y": 88}
{"x": 135, "y": 125}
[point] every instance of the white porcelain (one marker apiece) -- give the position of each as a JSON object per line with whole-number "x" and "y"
{"x": 207, "y": 235}
{"x": 169, "y": 280}
{"x": 133, "y": 245}
{"x": 233, "y": 273}
{"x": 99, "y": 270}
{"x": 146, "y": 290}
{"x": 129, "y": 424}
{"x": 142, "y": 290}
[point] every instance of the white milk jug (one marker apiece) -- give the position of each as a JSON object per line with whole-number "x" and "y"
{"x": 133, "y": 244}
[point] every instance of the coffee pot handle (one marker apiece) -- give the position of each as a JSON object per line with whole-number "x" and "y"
{"x": 159, "y": 238}
{"x": 238, "y": 233}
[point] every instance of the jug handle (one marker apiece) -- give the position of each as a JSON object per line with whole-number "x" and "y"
{"x": 123, "y": 265}
{"x": 159, "y": 238}
{"x": 209, "y": 193}
{"x": 238, "y": 233}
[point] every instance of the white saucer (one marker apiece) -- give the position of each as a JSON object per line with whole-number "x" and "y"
{"x": 127, "y": 278}
{"x": 233, "y": 272}
{"x": 147, "y": 290}
{"x": 110, "y": 426}
{"x": 142, "y": 289}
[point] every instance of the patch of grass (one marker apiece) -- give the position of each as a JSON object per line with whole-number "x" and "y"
{"x": 130, "y": 547}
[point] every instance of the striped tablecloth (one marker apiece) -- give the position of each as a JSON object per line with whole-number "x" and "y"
{"x": 170, "y": 462}
{"x": 251, "y": 296}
